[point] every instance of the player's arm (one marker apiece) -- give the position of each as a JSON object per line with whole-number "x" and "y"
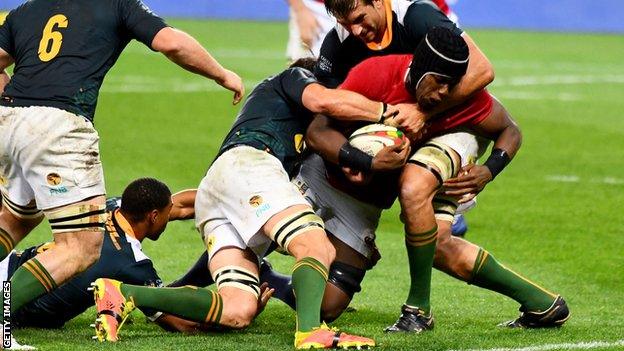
{"x": 504, "y": 131}
{"x": 342, "y": 104}
{"x": 189, "y": 54}
{"x": 325, "y": 138}
{"x": 5, "y": 61}
{"x": 183, "y": 205}
{"x": 172, "y": 323}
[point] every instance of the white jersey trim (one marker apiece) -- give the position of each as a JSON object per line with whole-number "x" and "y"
{"x": 137, "y": 249}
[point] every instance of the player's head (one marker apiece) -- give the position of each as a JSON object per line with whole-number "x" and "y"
{"x": 364, "y": 19}
{"x": 439, "y": 62}
{"x": 305, "y": 62}
{"x": 146, "y": 202}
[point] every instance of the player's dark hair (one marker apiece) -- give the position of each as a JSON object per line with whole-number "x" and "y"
{"x": 442, "y": 52}
{"x": 342, "y": 8}
{"x": 306, "y": 62}
{"x": 144, "y": 195}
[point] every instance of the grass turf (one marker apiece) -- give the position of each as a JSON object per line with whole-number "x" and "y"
{"x": 552, "y": 215}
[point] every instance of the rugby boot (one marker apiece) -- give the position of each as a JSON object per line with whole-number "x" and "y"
{"x": 112, "y": 309}
{"x": 325, "y": 337}
{"x": 412, "y": 320}
{"x": 554, "y": 316}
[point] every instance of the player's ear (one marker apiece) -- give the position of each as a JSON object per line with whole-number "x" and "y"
{"x": 153, "y": 216}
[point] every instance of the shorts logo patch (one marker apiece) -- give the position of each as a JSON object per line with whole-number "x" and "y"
{"x": 255, "y": 201}
{"x": 54, "y": 179}
{"x": 210, "y": 242}
{"x": 3, "y": 181}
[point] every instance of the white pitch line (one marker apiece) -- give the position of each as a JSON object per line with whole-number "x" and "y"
{"x": 585, "y": 345}
{"x": 569, "y": 178}
{"x": 564, "y": 79}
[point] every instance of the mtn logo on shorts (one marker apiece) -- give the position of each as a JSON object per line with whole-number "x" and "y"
{"x": 255, "y": 201}
{"x": 54, "y": 179}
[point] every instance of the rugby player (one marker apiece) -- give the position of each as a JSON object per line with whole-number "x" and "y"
{"x": 425, "y": 78}
{"x": 245, "y": 203}
{"x": 141, "y": 212}
{"x": 370, "y": 28}
{"x": 49, "y": 159}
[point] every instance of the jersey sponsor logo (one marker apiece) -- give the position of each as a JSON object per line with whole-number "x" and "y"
{"x": 324, "y": 64}
{"x": 3, "y": 17}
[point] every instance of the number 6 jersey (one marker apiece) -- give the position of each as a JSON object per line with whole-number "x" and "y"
{"x": 64, "y": 48}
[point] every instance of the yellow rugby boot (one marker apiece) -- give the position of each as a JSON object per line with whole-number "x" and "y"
{"x": 324, "y": 337}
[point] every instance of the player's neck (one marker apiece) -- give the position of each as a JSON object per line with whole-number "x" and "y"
{"x": 137, "y": 230}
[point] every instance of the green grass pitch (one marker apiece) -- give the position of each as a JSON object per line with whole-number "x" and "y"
{"x": 555, "y": 214}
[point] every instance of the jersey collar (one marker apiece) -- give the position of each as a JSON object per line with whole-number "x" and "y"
{"x": 387, "y": 37}
{"x": 123, "y": 223}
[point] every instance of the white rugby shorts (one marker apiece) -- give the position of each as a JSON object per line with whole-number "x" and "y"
{"x": 241, "y": 191}
{"x": 49, "y": 155}
{"x": 350, "y": 220}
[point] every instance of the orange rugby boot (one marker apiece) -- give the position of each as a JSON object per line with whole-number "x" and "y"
{"x": 112, "y": 309}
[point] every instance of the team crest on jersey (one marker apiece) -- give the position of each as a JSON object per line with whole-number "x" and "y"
{"x": 255, "y": 201}
{"x": 54, "y": 179}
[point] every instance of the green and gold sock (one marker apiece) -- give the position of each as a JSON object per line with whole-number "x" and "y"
{"x": 29, "y": 281}
{"x": 490, "y": 274}
{"x": 309, "y": 277}
{"x": 188, "y": 302}
{"x": 6, "y": 244}
{"x": 420, "y": 249}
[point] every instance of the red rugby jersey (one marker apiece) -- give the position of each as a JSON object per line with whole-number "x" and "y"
{"x": 382, "y": 78}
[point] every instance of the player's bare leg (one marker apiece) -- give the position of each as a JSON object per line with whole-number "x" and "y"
{"x": 341, "y": 287}
{"x": 15, "y": 223}
{"x": 470, "y": 263}
{"x": 78, "y": 234}
{"x": 418, "y": 185}
{"x": 236, "y": 274}
{"x": 300, "y": 231}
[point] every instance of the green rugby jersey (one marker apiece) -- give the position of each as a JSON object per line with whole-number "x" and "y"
{"x": 274, "y": 119}
{"x": 64, "y": 48}
{"x": 121, "y": 258}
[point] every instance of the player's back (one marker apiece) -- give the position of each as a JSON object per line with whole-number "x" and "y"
{"x": 63, "y": 49}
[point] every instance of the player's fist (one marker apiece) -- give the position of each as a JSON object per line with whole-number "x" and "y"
{"x": 391, "y": 157}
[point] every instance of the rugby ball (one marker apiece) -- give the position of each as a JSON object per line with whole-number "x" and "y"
{"x": 374, "y": 137}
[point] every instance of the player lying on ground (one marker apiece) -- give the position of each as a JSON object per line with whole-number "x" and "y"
{"x": 246, "y": 202}
{"x": 435, "y": 66}
{"x": 140, "y": 213}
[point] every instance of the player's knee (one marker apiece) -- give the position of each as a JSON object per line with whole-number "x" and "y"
{"x": 316, "y": 245}
{"x": 238, "y": 315}
{"x": 414, "y": 191}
